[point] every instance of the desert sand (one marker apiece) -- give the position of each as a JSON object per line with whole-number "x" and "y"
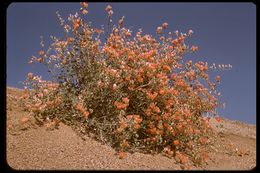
{"x": 33, "y": 147}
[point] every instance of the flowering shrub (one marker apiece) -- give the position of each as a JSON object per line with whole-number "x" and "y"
{"x": 133, "y": 92}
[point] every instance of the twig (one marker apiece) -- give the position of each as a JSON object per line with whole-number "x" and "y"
{"x": 142, "y": 86}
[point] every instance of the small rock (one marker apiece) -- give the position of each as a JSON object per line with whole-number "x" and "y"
{"x": 10, "y": 126}
{"x": 242, "y": 152}
{"x": 24, "y": 120}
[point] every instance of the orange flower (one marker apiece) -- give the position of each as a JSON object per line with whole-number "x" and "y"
{"x": 152, "y": 96}
{"x": 119, "y": 130}
{"x": 110, "y": 13}
{"x": 194, "y": 48}
{"x": 173, "y": 133}
{"x": 181, "y": 158}
{"x": 190, "y": 131}
{"x": 205, "y": 156}
{"x": 129, "y": 117}
{"x": 149, "y": 75}
{"x": 87, "y": 33}
{"x": 165, "y": 25}
{"x": 50, "y": 103}
{"x": 120, "y": 22}
{"x": 203, "y": 140}
{"x": 121, "y": 154}
{"x": 166, "y": 125}
{"x": 153, "y": 53}
{"x": 76, "y": 24}
{"x": 157, "y": 117}
{"x": 159, "y": 75}
{"x": 70, "y": 40}
{"x": 162, "y": 91}
{"x": 124, "y": 144}
{"x": 125, "y": 100}
{"x": 161, "y": 132}
{"x": 41, "y": 53}
{"x": 156, "y": 109}
{"x": 84, "y": 12}
{"x": 181, "y": 39}
{"x": 179, "y": 127}
{"x": 140, "y": 79}
{"x": 130, "y": 58}
{"x": 153, "y": 131}
{"x": 58, "y": 100}
{"x": 135, "y": 117}
{"x": 217, "y": 78}
{"x": 176, "y": 142}
{"x": 120, "y": 105}
{"x": 175, "y": 42}
{"x": 190, "y": 32}
{"x": 97, "y": 31}
{"x": 123, "y": 125}
{"x": 162, "y": 38}
{"x": 79, "y": 106}
{"x": 177, "y": 117}
{"x": 40, "y": 60}
{"x": 148, "y": 112}
{"x": 196, "y": 131}
{"x": 184, "y": 159}
{"x": 108, "y": 8}
{"x": 153, "y": 107}
{"x": 128, "y": 34}
{"x": 159, "y": 30}
{"x": 136, "y": 126}
{"x": 153, "y": 139}
{"x": 166, "y": 68}
{"x": 166, "y": 116}
{"x": 189, "y": 63}
{"x": 218, "y": 119}
{"x": 30, "y": 75}
{"x": 56, "y": 120}
{"x": 191, "y": 75}
{"x": 169, "y": 102}
{"x": 138, "y": 120}
{"x": 84, "y": 5}
{"x": 128, "y": 78}
{"x": 174, "y": 76}
{"x": 86, "y": 114}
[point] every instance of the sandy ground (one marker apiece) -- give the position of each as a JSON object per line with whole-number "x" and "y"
{"x": 36, "y": 148}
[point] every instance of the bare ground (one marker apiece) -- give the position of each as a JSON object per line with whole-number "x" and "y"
{"x": 33, "y": 147}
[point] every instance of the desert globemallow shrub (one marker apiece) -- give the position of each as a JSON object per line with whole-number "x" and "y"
{"x": 132, "y": 92}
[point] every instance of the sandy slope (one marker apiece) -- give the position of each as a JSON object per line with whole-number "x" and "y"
{"x": 32, "y": 147}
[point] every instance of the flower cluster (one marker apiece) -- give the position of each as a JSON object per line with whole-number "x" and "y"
{"x": 137, "y": 91}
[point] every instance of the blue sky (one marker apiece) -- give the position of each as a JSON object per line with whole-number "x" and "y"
{"x": 224, "y": 32}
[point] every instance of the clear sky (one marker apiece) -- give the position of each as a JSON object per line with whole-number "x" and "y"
{"x": 224, "y": 32}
